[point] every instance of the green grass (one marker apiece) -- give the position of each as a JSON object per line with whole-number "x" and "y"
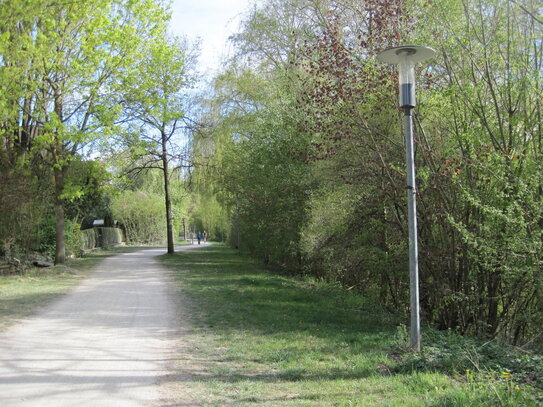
{"x": 260, "y": 339}
{"x": 22, "y": 295}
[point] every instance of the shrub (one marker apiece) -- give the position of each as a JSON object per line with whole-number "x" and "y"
{"x": 452, "y": 353}
{"x": 142, "y": 215}
{"x": 100, "y": 237}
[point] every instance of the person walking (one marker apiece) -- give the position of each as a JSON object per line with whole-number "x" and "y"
{"x": 199, "y": 237}
{"x": 205, "y": 236}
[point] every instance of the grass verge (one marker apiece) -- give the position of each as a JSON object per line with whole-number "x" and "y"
{"x": 21, "y": 295}
{"x": 260, "y": 339}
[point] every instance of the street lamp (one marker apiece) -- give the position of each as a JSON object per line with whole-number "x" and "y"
{"x": 406, "y": 56}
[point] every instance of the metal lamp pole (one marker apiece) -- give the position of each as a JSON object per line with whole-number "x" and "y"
{"x": 406, "y": 57}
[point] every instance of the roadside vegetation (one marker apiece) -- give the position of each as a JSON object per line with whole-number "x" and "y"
{"x": 263, "y": 339}
{"x": 94, "y": 96}
{"x": 305, "y": 153}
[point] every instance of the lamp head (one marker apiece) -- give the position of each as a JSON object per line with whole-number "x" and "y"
{"x": 406, "y": 56}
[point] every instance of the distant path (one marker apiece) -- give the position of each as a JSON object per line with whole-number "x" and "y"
{"x": 106, "y": 344}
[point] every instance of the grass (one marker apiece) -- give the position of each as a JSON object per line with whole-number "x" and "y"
{"x": 22, "y": 295}
{"x": 260, "y": 339}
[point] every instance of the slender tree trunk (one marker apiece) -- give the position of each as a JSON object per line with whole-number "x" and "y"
{"x": 167, "y": 198}
{"x": 59, "y": 172}
{"x": 238, "y": 244}
{"x": 60, "y": 252}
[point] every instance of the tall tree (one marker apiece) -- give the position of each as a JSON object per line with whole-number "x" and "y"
{"x": 72, "y": 59}
{"x": 485, "y": 184}
{"x": 159, "y": 104}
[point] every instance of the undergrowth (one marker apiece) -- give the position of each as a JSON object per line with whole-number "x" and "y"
{"x": 506, "y": 372}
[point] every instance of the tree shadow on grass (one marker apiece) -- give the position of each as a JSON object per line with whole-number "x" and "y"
{"x": 286, "y": 321}
{"x": 236, "y": 293}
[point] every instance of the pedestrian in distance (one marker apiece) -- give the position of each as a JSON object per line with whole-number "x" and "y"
{"x": 205, "y": 236}
{"x": 199, "y": 237}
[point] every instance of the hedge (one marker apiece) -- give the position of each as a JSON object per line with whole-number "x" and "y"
{"x": 101, "y": 237}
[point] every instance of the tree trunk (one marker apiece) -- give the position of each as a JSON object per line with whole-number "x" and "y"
{"x": 60, "y": 252}
{"x": 167, "y": 198}
{"x": 59, "y": 172}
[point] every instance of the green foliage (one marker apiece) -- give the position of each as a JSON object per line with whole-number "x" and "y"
{"x": 142, "y": 216}
{"x": 73, "y": 238}
{"x": 152, "y": 183}
{"x": 63, "y": 66}
{"x": 291, "y": 145}
{"x": 100, "y": 237}
{"x": 267, "y": 196}
{"x": 484, "y": 192}
{"x": 349, "y": 239}
{"x": 24, "y": 205}
{"x": 31, "y": 225}
{"x": 305, "y": 154}
{"x": 487, "y": 394}
{"x": 45, "y": 236}
{"x": 157, "y": 101}
{"x": 89, "y": 188}
{"x": 495, "y": 374}
{"x": 88, "y": 239}
{"x": 209, "y": 215}
{"x": 448, "y": 351}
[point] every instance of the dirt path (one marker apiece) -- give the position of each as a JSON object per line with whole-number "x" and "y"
{"x": 107, "y": 343}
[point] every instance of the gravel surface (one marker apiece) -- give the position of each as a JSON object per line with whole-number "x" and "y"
{"x": 107, "y": 343}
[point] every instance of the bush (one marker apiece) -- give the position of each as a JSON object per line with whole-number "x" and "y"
{"x": 88, "y": 239}
{"x": 73, "y": 236}
{"x": 46, "y": 236}
{"x": 452, "y": 353}
{"x": 111, "y": 236}
{"x": 142, "y": 215}
{"x": 100, "y": 237}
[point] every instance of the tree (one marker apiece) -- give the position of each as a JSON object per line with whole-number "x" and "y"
{"x": 139, "y": 212}
{"x": 73, "y": 57}
{"x": 159, "y": 104}
{"x": 485, "y": 192}
{"x": 303, "y": 101}
{"x": 308, "y": 158}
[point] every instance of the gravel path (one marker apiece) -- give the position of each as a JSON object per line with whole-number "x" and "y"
{"x": 107, "y": 343}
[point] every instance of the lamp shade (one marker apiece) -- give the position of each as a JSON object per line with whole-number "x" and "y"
{"x": 406, "y": 57}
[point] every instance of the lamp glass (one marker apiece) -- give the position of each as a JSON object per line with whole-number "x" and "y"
{"x": 406, "y": 70}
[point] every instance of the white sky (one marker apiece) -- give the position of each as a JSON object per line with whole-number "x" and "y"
{"x": 211, "y": 20}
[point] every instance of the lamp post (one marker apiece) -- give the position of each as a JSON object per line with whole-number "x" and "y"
{"x": 406, "y": 56}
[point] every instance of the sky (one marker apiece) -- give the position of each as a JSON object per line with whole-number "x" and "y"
{"x": 211, "y": 20}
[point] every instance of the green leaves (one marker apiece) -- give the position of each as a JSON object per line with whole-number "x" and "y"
{"x": 492, "y": 195}
{"x": 309, "y": 157}
{"x": 63, "y": 70}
